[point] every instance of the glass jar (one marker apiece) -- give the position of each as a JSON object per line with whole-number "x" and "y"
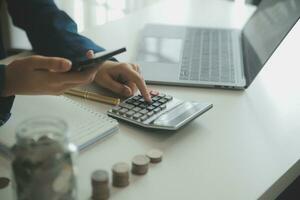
{"x": 43, "y": 164}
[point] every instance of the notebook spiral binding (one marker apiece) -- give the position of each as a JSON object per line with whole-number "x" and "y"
{"x": 101, "y": 116}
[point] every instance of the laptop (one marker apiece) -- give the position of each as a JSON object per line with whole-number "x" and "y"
{"x": 212, "y": 57}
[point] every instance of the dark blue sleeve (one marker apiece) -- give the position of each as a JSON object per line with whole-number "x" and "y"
{"x": 50, "y": 30}
{"x": 5, "y": 102}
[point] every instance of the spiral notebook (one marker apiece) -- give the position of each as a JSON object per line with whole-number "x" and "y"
{"x": 86, "y": 127}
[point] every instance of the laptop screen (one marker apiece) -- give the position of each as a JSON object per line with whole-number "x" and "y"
{"x": 265, "y": 30}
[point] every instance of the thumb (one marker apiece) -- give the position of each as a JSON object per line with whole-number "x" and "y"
{"x": 52, "y": 64}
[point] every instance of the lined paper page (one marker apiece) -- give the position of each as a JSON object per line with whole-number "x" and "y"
{"x": 85, "y": 126}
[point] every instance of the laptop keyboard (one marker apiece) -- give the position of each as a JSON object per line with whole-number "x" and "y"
{"x": 207, "y": 56}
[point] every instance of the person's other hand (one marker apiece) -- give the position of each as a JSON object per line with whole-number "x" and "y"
{"x": 38, "y": 75}
{"x": 121, "y": 78}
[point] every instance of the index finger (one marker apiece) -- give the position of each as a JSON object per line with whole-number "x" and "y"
{"x": 82, "y": 77}
{"x": 54, "y": 64}
{"x": 140, "y": 83}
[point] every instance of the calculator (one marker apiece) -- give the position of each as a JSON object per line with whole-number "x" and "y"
{"x": 165, "y": 112}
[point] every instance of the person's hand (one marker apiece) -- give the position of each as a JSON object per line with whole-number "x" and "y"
{"x": 38, "y": 75}
{"x": 121, "y": 78}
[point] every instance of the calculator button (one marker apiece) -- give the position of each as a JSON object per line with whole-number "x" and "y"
{"x": 136, "y": 98}
{"x": 150, "y": 108}
{"x": 143, "y": 105}
{"x": 162, "y": 100}
{"x": 136, "y": 109}
{"x": 149, "y": 114}
{"x": 168, "y": 97}
{"x": 141, "y": 100}
{"x": 130, "y": 101}
{"x": 128, "y": 106}
{"x": 163, "y": 106}
{"x": 116, "y": 109}
{"x": 137, "y": 115}
{"x": 156, "y": 98}
{"x": 123, "y": 111}
{"x": 140, "y": 97}
{"x": 129, "y": 113}
{"x": 136, "y": 103}
{"x": 156, "y": 104}
{"x": 161, "y": 95}
{"x": 144, "y": 118}
{"x": 144, "y": 111}
{"x": 156, "y": 110}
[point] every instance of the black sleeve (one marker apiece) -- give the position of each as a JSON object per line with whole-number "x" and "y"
{"x": 5, "y": 102}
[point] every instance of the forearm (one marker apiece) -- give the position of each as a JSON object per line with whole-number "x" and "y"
{"x": 51, "y": 31}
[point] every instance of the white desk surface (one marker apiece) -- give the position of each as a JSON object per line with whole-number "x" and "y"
{"x": 246, "y": 147}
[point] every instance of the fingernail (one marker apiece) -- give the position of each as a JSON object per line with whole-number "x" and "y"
{"x": 149, "y": 98}
{"x": 67, "y": 64}
{"x": 127, "y": 92}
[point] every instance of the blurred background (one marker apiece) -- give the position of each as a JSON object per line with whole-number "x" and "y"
{"x": 103, "y": 11}
{"x": 86, "y": 13}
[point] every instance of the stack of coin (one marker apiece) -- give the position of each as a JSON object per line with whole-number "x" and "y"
{"x": 140, "y": 165}
{"x": 120, "y": 174}
{"x": 100, "y": 185}
{"x": 155, "y": 155}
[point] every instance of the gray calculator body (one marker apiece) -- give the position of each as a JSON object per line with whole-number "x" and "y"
{"x": 165, "y": 112}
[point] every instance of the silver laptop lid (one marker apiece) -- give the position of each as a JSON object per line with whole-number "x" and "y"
{"x": 265, "y": 30}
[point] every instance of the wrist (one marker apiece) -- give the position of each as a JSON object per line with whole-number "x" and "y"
{"x": 7, "y": 88}
{"x": 2, "y": 79}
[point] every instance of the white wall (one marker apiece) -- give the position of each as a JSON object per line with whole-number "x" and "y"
{"x": 86, "y": 13}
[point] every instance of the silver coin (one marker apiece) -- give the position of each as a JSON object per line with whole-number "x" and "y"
{"x": 140, "y": 160}
{"x": 120, "y": 174}
{"x": 155, "y": 155}
{"x": 62, "y": 183}
{"x": 120, "y": 168}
